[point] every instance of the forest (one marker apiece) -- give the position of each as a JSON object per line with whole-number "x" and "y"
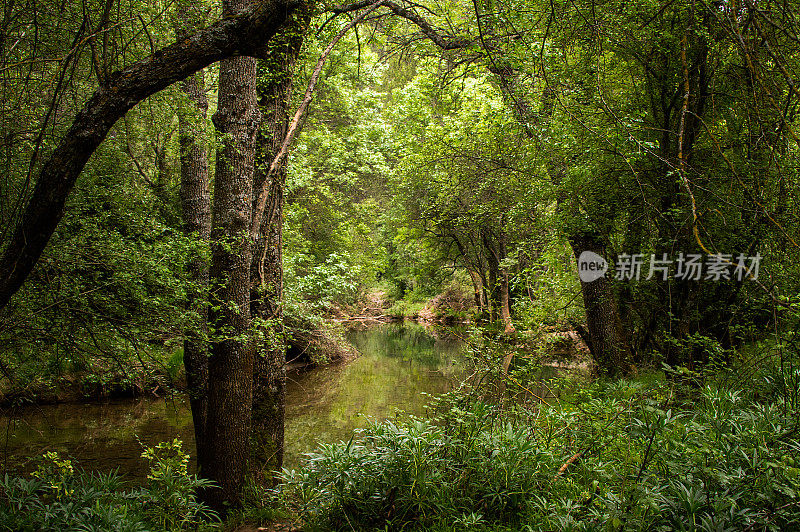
{"x": 394, "y": 265}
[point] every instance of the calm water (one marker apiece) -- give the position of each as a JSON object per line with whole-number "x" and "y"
{"x": 398, "y": 362}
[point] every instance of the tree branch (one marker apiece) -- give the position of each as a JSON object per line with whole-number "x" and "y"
{"x": 293, "y": 129}
{"x": 234, "y": 35}
{"x": 445, "y": 43}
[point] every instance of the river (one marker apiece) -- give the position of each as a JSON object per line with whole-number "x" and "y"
{"x": 399, "y": 364}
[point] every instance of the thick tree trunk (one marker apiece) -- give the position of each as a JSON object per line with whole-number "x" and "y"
{"x": 196, "y": 211}
{"x": 232, "y": 35}
{"x": 196, "y": 206}
{"x": 266, "y": 278}
{"x": 608, "y": 344}
{"x": 230, "y": 368}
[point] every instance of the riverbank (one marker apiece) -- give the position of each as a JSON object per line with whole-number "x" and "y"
{"x": 633, "y": 454}
{"x": 399, "y": 364}
{"x": 157, "y": 370}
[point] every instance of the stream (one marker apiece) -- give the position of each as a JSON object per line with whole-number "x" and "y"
{"x": 399, "y": 364}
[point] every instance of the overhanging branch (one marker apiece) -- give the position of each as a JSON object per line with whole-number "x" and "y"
{"x": 237, "y": 35}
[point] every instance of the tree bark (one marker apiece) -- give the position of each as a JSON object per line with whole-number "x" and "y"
{"x": 609, "y": 346}
{"x": 230, "y": 367}
{"x": 266, "y": 275}
{"x": 245, "y": 33}
{"x": 196, "y": 211}
{"x": 196, "y": 206}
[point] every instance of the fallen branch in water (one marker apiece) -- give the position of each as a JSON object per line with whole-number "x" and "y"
{"x": 382, "y": 317}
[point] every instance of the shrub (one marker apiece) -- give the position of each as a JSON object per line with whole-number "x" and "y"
{"x": 618, "y": 456}
{"x": 59, "y": 498}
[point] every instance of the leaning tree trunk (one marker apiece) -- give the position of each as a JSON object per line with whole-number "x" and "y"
{"x": 505, "y": 304}
{"x": 196, "y": 210}
{"x": 247, "y": 33}
{"x": 492, "y": 292}
{"x": 477, "y": 289}
{"x": 230, "y": 366}
{"x": 609, "y": 346}
{"x": 266, "y": 276}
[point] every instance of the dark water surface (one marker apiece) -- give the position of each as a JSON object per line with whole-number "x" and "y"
{"x": 398, "y": 362}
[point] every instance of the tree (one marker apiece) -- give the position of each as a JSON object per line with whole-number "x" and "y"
{"x": 229, "y": 373}
{"x": 618, "y": 102}
{"x": 196, "y": 210}
{"x": 275, "y": 82}
{"x": 236, "y": 35}
{"x": 230, "y": 365}
{"x": 464, "y": 181}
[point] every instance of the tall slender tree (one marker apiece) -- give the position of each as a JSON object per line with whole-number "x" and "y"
{"x": 230, "y": 366}
{"x": 196, "y": 210}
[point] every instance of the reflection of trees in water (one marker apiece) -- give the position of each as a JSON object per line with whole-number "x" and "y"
{"x": 429, "y": 345}
{"x": 399, "y": 362}
{"x": 99, "y": 436}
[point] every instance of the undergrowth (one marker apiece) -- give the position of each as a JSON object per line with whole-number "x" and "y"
{"x": 59, "y": 497}
{"x": 626, "y": 455}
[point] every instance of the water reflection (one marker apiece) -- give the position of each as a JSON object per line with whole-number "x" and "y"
{"x": 399, "y": 362}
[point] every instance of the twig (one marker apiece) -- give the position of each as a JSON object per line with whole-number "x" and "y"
{"x": 571, "y": 460}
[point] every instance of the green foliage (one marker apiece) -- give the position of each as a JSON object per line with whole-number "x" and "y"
{"x": 311, "y": 338}
{"x": 405, "y": 309}
{"x": 169, "y": 500}
{"x": 59, "y": 498}
{"x": 336, "y": 280}
{"x": 56, "y": 473}
{"x": 108, "y": 292}
{"x": 336, "y": 183}
{"x": 468, "y": 180}
{"x": 629, "y": 455}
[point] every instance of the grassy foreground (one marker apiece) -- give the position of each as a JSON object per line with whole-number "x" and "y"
{"x": 643, "y": 454}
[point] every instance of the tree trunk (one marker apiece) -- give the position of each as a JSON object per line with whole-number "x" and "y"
{"x": 492, "y": 296}
{"x": 266, "y": 278}
{"x": 474, "y": 266}
{"x": 505, "y": 304}
{"x": 196, "y": 206}
{"x": 608, "y": 344}
{"x": 230, "y": 367}
{"x": 196, "y": 211}
{"x": 247, "y": 33}
{"x": 477, "y": 288}
{"x": 498, "y": 279}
